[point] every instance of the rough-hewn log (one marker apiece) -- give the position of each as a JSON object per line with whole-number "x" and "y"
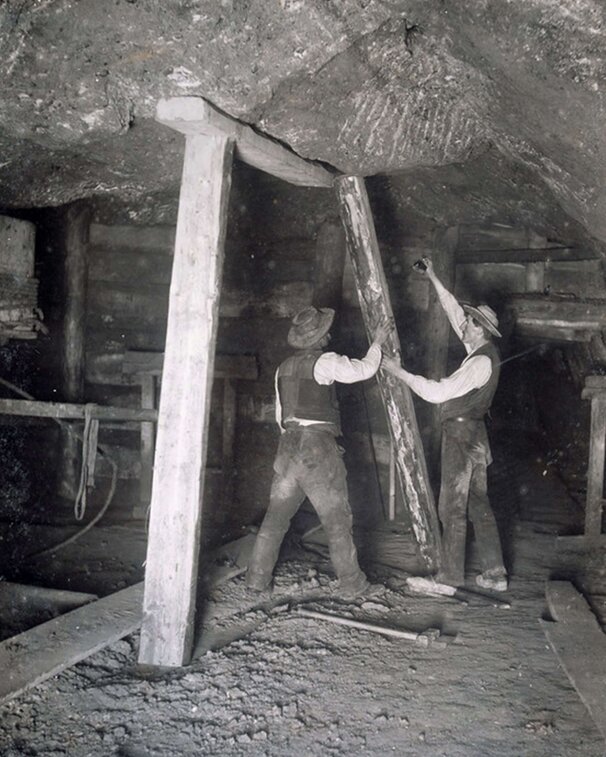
{"x": 375, "y": 304}
{"x": 192, "y": 115}
{"x": 177, "y": 492}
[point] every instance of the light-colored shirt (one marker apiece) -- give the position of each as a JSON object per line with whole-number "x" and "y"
{"x": 473, "y": 372}
{"x": 331, "y": 367}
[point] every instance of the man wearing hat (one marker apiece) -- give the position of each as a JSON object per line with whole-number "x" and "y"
{"x": 464, "y": 398}
{"x": 309, "y": 462}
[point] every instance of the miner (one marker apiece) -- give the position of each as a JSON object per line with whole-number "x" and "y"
{"x": 309, "y": 461}
{"x": 465, "y": 398}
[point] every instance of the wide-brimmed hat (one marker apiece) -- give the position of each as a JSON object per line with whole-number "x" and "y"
{"x": 309, "y": 326}
{"x": 484, "y": 315}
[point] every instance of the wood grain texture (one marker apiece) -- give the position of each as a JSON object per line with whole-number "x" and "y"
{"x": 375, "y": 304}
{"x": 580, "y": 645}
{"x": 193, "y": 115}
{"x": 177, "y": 492}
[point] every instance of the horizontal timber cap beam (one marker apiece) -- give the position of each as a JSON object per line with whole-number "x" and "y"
{"x": 194, "y": 116}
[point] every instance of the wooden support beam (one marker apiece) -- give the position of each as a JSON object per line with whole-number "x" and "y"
{"x": 438, "y": 328}
{"x": 595, "y": 472}
{"x": 557, "y": 317}
{"x": 499, "y": 244}
{"x": 35, "y": 409}
{"x": 580, "y": 645}
{"x": 41, "y": 652}
{"x": 375, "y": 304}
{"x": 194, "y": 116}
{"x": 228, "y": 441}
{"x": 148, "y": 443}
{"x": 35, "y": 655}
{"x": 75, "y": 276}
{"x": 139, "y": 362}
{"x": 328, "y": 266}
{"x": 177, "y": 492}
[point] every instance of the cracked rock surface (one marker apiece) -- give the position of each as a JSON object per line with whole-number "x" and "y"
{"x": 367, "y": 86}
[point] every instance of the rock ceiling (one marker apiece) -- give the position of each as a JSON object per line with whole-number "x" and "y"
{"x": 479, "y": 110}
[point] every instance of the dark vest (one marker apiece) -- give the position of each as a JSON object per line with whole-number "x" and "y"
{"x": 300, "y": 394}
{"x": 476, "y": 403}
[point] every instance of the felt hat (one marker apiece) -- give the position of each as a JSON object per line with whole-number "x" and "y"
{"x": 309, "y": 326}
{"x": 485, "y": 316}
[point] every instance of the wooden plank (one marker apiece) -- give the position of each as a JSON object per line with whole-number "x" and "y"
{"x": 375, "y": 304}
{"x": 545, "y": 254}
{"x": 160, "y": 239}
{"x": 438, "y": 329}
{"x": 595, "y": 471}
{"x": 148, "y": 438}
{"x": 498, "y": 244}
{"x": 145, "y": 306}
{"x": 35, "y": 655}
{"x": 226, "y": 366}
{"x": 580, "y": 645}
{"x": 41, "y": 652}
{"x": 75, "y": 273}
{"x": 181, "y": 445}
{"x": 128, "y": 268}
{"x": 17, "y": 246}
{"x": 329, "y": 264}
{"x": 194, "y": 116}
{"x": 535, "y": 277}
{"x": 74, "y": 411}
{"x": 572, "y": 312}
{"x": 228, "y": 440}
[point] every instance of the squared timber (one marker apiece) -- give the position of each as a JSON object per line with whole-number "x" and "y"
{"x": 177, "y": 490}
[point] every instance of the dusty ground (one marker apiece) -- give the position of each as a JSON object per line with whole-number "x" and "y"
{"x": 287, "y": 685}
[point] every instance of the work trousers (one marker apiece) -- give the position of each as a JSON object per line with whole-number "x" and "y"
{"x": 463, "y": 495}
{"x": 308, "y": 464}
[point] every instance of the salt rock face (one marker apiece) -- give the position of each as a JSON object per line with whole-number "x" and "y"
{"x": 366, "y": 86}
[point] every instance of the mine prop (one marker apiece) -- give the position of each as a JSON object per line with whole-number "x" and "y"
{"x": 429, "y": 638}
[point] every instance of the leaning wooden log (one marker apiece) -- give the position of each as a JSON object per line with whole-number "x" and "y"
{"x": 375, "y": 304}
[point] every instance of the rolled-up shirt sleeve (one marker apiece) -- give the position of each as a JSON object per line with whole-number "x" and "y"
{"x": 472, "y": 374}
{"x": 331, "y": 367}
{"x": 454, "y": 311}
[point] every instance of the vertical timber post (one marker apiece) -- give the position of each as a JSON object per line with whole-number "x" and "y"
{"x": 595, "y": 472}
{"x": 75, "y": 278}
{"x": 177, "y": 490}
{"x": 375, "y": 303}
{"x": 328, "y": 265}
{"x": 438, "y": 327}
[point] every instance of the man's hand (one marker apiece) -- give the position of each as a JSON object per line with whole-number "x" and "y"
{"x": 391, "y": 365}
{"x": 429, "y": 272}
{"x": 384, "y": 329}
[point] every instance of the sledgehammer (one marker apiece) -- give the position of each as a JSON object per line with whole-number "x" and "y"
{"x": 431, "y": 637}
